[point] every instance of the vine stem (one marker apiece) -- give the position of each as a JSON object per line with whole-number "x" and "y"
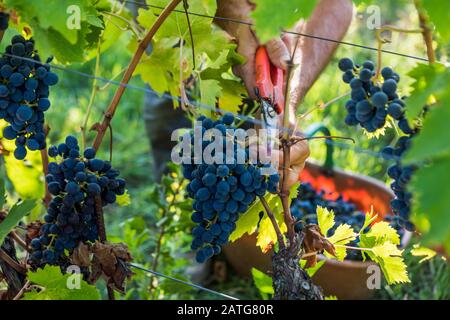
{"x": 381, "y": 41}
{"x": 13, "y": 264}
{"x": 426, "y": 31}
{"x": 274, "y": 222}
{"x": 21, "y": 292}
{"x": 284, "y": 193}
{"x": 101, "y": 129}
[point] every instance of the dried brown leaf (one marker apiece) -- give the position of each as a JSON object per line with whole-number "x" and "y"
{"x": 81, "y": 256}
{"x": 314, "y": 241}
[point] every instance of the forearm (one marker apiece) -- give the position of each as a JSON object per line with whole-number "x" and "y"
{"x": 313, "y": 55}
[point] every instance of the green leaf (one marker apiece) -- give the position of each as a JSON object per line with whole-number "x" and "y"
{"x": 430, "y": 187}
{"x": 433, "y": 140}
{"x": 16, "y": 213}
{"x": 325, "y": 219}
{"x": 2, "y": 194}
{"x": 312, "y": 271}
{"x": 210, "y": 91}
{"x": 431, "y": 82}
{"x": 51, "y": 31}
{"x": 58, "y": 286}
{"x": 438, "y": 12}
{"x": 270, "y": 17}
{"x": 263, "y": 282}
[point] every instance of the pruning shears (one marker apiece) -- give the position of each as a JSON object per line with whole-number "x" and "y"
{"x": 269, "y": 90}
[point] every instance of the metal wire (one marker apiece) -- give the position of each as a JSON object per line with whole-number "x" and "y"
{"x": 284, "y": 31}
{"x": 195, "y": 103}
{"x": 193, "y": 285}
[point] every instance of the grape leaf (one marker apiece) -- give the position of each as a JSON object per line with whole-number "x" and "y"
{"x": 16, "y": 213}
{"x": 438, "y": 13}
{"x": 384, "y": 232}
{"x": 369, "y": 218}
{"x": 51, "y": 31}
{"x": 26, "y": 176}
{"x": 325, "y": 219}
{"x": 270, "y": 17}
{"x": 386, "y": 254}
{"x": 171, "y": 60}
{"x": 263, "y": 282}
{"x": 312, "y": 270}
{"x": 430, "y": 186}
{"x": 431, "y": 82}
{"x": 424, "y": 252}
{"x": 248, "y": 222}
{"x": 57, "y": 286}
{"x": 210, "y": 89}
{"x": 343, "y": 235}
{"x": 432, "y": 142}
{"x": 124, "y": 199}
{"x": 389, "y": 257}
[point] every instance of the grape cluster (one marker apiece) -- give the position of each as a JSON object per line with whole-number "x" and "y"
{"x": 372, "y": 101}
{"x": 401, "y": 175}
{"x": 224, "y": 189}
{"x": 24, "y": 91}
{"x": 4, "y": 20}
{"x": 75, "y": 181}
{"x": 303, "y": 209}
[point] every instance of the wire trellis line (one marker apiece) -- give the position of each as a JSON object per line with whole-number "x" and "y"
{"x": 200, "y": 105}
{"x": 193, "y": 285}
{"x": 346, "y": 43}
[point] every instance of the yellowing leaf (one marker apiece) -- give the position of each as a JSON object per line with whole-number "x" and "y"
{"x": 343, "y": 235}
{"x": 325, "y": 219}
{"x": 267, "y": 236}
{"x": 369, "y": 218}
{"x": 382, "y": 230}
{"x": 389, "y": 257}
{"x": 424, "y": 252}
{"x": 124, "y": 199}
{"x": 248, "y": 222}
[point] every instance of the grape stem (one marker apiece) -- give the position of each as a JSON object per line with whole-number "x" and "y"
{"x": 426, "y": 31}
{"x": 101, "y": 128}
{"x": 274, "y": 222}
{"x": 382, "y": 41}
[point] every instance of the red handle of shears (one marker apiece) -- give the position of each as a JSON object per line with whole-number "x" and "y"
{"x": 269, "y": 80}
